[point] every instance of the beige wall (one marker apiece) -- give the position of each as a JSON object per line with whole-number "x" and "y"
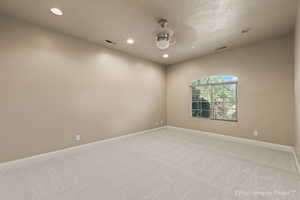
{"x": 54, "y": 86}
{"x": 265, "y": 92}
{"x": 297, "y": 84}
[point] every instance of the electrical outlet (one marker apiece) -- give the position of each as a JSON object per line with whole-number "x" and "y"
{"x": 77, "y": 138}
{"x": 255, "y": 133}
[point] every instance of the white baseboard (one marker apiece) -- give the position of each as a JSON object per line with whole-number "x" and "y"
{"x": 54, "y": 154}
{"x": 240, "y": 140}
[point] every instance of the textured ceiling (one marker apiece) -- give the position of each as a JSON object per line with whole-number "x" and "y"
{"x": 202, "y": 24}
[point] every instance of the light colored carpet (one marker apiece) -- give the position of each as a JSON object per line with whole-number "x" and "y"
{"x": 163, "y": 165}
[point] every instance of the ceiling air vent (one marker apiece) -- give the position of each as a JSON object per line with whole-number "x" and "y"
{"x": 246, "y": 30}
{"x": 221, "y": 48}
{"x": 110, "y": 42}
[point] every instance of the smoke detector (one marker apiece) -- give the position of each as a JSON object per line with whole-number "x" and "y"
{"x": 164, "y": 36}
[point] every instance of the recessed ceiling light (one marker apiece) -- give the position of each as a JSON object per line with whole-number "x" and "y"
{"x": 130, "y": 41}
{"x": 56, "y": 11}
{"x": 165, "y": 55}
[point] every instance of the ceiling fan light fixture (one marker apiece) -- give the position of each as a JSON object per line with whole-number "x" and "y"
{"x": 165, "y": 36}
{"x": 163, "y": 40}
{"x": 163, "y": 44}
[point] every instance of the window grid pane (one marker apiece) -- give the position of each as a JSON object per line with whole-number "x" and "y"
{"x": 217, "y": 102}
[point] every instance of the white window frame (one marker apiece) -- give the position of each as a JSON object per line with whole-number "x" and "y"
{"x": 212, "y": 110}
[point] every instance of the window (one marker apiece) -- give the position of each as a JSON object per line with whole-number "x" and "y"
{"x": 215, "y": 98}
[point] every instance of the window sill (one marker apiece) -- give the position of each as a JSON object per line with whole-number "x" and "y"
{"x": 225, "y": 120}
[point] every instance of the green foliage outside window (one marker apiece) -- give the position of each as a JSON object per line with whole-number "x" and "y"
{"x": 215, "y": 98}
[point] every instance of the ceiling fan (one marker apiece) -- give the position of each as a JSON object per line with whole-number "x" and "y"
{"x": 164, "y": 37}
